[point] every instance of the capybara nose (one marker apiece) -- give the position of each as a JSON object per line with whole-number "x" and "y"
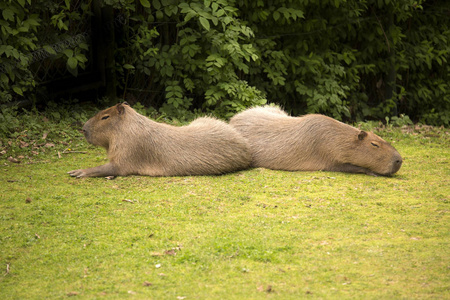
{"x": 397, "y": 164}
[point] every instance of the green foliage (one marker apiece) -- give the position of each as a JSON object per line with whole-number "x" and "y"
{"x": 18, "y": 28}
{"x": 199, "y": 56}
{"x": 23, "y": 37}
{"x": 353, "y": 60}
{"x": 339, "y": 58}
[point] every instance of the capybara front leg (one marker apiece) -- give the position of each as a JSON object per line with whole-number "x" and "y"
{"x": 100, "y": 171}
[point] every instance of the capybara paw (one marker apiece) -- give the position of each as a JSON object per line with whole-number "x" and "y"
{"x": 77, "y": 173}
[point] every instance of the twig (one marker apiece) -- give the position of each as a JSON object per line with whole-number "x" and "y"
{"x": 384, "y": 33}
{"x": 71, "y": 151}
{"x": 7, "y": 270}
{"x": 127, "y": 200}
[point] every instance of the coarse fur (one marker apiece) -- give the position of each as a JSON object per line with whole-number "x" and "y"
{"x": 137, "y": 145}
{"x": 313, "y": 142}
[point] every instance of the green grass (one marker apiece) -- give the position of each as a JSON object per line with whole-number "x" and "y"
{"x": 254, "y": 234}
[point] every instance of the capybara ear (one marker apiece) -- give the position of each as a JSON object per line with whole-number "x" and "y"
{"x": 362, "y": 134}
{"x": 125, "y": 103}
{"x": 120, "y": 108}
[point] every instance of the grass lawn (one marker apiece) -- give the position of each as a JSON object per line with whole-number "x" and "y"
{"x": 254, "y": 234}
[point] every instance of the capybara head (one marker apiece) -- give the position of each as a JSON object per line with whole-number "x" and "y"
{"x": 375, "y": 154}
{"x": 99, "y": 129}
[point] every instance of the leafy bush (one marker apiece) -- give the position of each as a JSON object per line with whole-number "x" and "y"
{"x": 350, "y": 59}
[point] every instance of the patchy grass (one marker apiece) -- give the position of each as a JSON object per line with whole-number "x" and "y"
{"x": 254, "y": 234}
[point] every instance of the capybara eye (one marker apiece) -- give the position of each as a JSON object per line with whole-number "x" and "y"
{"x": 105, "y": 117}
{"x": 375, "y": 144}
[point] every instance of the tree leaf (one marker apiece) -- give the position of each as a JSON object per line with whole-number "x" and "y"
{"x": 8, "y": 14}
{"x": 49, "y": 49}
{"x": 205, "y": 23}
{"x": 145, "y": 3}
{"x": 72, "y": 63}
{"x": 18, "y": 90}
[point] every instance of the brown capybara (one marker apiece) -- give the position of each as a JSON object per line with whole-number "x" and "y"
{"x": 312, "y": 143}
{"x": 137, "y": 145}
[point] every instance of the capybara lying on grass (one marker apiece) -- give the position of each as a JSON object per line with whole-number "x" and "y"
{"x": 137, "y": 145}
{"x": 313, "y": 142}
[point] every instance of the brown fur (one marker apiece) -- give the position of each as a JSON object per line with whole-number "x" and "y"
{"x": 137, "y": 145}
{"x": 312, "y": 143}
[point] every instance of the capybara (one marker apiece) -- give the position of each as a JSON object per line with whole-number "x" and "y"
{"x": 312, "y": 143}
{"x": 137, "y": 145}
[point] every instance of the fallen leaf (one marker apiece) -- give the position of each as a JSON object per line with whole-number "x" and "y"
{"x": 28, "y": 200}
{"x": 37, "y": 236}
{"x": 146, "y": 283}
{"x": 156, "y": 253}
{"x": 181, "y": 297}
{"x": 44, "y": 136}
{"x": 49, "y": 145}
{"x": 131, "y": 292}
{"x": 70, "y": 294}
{"x": 170, "y": 252}
{"x": 13, "y": 160}
{"x": 128, "y": 200}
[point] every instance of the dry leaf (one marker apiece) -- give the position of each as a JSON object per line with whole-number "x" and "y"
{"x": 49, "y": 145}
{"x": 44, "y": 136}
{"x": 13, "y": 160}
{"x": 72, "y": 294}
{"x": 28, "y": 200}
{"x": 170, "y": 252}
{"x": 269, "y": 289}
{"x": 146, "y": 283}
